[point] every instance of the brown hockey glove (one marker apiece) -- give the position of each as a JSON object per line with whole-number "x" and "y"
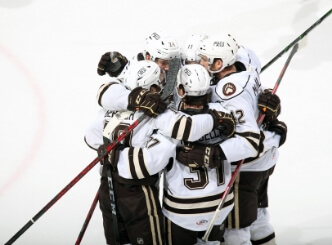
{"x": 201, "y": 155}
{"x": 280, "y": 128}
{"x": 269, "y": 104}
{"x": 112, "y": 156}
{"x": 223, "y": 121}
{"x": 111, "y": 63}
{"x": 148, "y": 102}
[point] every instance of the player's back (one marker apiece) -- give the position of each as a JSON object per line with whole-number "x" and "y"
{"x": 191, "y": 195}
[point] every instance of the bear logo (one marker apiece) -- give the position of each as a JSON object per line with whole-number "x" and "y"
{"x": 229, "y": 89}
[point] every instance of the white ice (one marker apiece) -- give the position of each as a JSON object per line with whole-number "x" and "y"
{"x": 49, "y": 52}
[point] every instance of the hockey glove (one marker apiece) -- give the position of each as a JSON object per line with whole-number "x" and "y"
{"x": 113, "y": 155}
{"x": 223, "y": 121}
{"x": 280, "y": 128}
{"x": 111, "y": 63}
{"x": 148, "y": 102}
{"x": 269, "y": 104}
{"x": 201, "y": 155}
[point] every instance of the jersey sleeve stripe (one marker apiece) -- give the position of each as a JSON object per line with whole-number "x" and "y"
{"x": 131, "y": 163}
{"x": 187, "y": 129}
{"x": 176, "y": 127}
{"x": 102, "y": 90}
{"x": 142, "y": 166}
{"x": 252, "y": 138}
{"x": 182, "y": 128}
{"x": 137, "y": 164}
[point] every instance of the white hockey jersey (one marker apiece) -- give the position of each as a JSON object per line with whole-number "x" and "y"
{"x": 192, "y": 195}
{"x": 269, "y": 154}
{"x": 238, "y": 93}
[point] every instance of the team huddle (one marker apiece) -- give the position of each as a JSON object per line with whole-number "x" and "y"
{"x": 190, "y": 138}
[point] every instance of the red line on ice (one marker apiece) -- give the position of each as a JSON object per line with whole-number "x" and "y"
{"x": 39, "y": 135}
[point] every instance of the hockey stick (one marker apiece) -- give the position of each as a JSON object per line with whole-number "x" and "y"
{"x": 238, "y": 166}
{"x": 87, "y": 220}
{"x": 171, "y": 79}
{"x": 296, "y": 40}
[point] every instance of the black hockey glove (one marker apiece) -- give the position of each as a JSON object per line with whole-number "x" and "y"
{"x": 280, "y": 128}
{"x": 111, "y": 63}
{"x": 269, "y": 104}
{"x": 148, "y": 102}
{"x": 112, "y": 156}
{"x": 140, "y": 56}
{"x": 201, "y": 155}
{"x": 223, "y": 121}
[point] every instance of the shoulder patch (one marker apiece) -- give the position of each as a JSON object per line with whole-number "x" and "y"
{"x": 229, "y": 89}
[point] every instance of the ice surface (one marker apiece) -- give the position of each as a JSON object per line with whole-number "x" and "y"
{"x": 49, "y": 52}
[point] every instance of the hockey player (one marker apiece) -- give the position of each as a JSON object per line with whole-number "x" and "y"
{"x": 198, "y": 177}
{"x": 193, "y": 182}
{"x": 139, "y": 214}
{"x": 183, "y": 128}
{"x": 238, "y": 88}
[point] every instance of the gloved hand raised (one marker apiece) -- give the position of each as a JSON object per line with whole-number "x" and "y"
{"x": 150, "y": 103}
{"x": 269, "y": 104}
{"x": 111, "y": 63}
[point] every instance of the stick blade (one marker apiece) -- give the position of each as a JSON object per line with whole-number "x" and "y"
{"x": 174, "y": 66}
{"x": 302, "y": 43}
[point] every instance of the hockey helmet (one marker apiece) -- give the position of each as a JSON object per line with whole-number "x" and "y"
{"x": 144, "y": 73}
{"x": 189, "y": 52}
{"x": 194, "y": 79}
{"x": 159, "y": 45}
{"x": 222, "y": 46}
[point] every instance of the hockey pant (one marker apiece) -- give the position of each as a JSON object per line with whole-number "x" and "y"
{"x": 139, "y": 215}
{"x": 248, "y": 223}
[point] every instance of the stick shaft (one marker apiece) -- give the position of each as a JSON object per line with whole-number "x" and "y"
{"x": 296, "y": 40}
{"x": 87, "y": 220}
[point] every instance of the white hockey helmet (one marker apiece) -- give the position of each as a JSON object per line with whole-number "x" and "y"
{"x": 189, "y": 50}
{"x": 194, "y": 79}
{"x": 144, "y": 73}
{"x": 162, "y": 46}
{"x": 222, "y": 46}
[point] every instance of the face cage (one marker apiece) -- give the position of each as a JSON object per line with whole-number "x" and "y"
{"x": 162, "y": 77}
